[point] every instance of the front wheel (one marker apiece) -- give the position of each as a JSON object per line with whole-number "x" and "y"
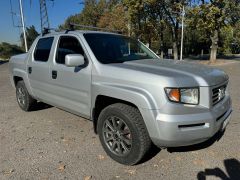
{"x": 123, "y": 134}
{"x": 24, "y": 99}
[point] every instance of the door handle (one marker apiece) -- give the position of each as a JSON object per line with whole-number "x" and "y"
{"x": 54, "y": 74}
{"x": 29, "y": 70}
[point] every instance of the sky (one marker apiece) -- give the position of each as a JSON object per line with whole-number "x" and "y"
{"x": 57, "y": 13}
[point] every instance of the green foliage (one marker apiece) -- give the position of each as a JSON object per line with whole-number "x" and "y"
{"x": 114, "y": 18}
{"x": 7, "y": 50}
{"x": 31, "y": 35}
{"x": 226, "y": 40}
{"x": 214, "y": 18}
{"x": 208, "y": 17}
{"x": 209, "y": 25}
{"x": 90, "y": 14}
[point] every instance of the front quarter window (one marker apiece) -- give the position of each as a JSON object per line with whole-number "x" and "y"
{"x": 110, "y": 48}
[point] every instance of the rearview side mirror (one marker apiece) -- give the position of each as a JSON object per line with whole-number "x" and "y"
{"x": 73, "y": 60}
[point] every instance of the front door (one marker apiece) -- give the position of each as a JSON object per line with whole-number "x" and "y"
{"x": 71, "y": 86}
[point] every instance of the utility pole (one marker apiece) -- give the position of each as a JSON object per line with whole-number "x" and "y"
{"x": 23, "y": 25}
{"x": 183, "y": 15}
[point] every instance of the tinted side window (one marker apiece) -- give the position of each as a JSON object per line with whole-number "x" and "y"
{"x": 43, "y": 49}
{"x": 67, "y": 45}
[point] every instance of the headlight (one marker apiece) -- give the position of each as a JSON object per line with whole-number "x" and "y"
{"x": 183, "y": 95}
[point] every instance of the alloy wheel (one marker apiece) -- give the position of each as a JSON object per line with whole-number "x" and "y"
{"x": 21, "y": 96}
{"x": 117, "y": 136}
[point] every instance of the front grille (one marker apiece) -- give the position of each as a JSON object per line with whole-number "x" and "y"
{"x": 218, "y": 94}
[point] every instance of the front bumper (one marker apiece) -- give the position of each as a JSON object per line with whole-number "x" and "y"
{"x": 189, "y": 129}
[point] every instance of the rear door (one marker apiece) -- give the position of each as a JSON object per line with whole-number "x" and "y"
{"x": 38, "y": 68}
{"x": 71, "y": 86}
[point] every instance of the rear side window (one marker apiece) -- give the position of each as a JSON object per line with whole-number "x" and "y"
{"x": 67, "y": 45}
{"x": 43, "y": 49}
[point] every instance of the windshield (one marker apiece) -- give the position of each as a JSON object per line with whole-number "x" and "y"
{"x": 110, "y": 48}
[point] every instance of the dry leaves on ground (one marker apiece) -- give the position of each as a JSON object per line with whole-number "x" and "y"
{"x": 101, "y": 157}
{"x": 87, "y": 177}
{"x": 131, "y": 171}
{"x": 61, "y": 167}
{"x": 8, "y": 172}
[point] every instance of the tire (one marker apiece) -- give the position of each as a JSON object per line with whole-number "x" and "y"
{"x": 127, "y": 141}
{"x": 24, "y": 99}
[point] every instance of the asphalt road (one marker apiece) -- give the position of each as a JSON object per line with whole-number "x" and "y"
{"x": 49, "y": 143}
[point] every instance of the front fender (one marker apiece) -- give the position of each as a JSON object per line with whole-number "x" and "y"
{"x": 142, "y": 99}
{"x": 137, "y": 96}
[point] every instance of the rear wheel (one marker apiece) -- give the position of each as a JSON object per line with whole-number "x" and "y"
{"x": 123, "y": 134}
{"x": 24, "y": 99}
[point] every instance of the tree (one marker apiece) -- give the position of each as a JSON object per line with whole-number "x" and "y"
{"x": 157, "y": 18}
{"x": 114, "y": 18}
{"x": 31, "y": 35}
{"x": 151, "y": 16}
{"x": 90, "y": 14}
{"x": 136, "y": 15}
{"x": 211, "y": 17}
{"x": 172, "y": 9}
{"x": 7, "y": 50}
{"x": 209, "y": 23}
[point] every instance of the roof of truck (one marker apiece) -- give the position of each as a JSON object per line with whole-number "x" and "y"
{"x": 54, "y": 33}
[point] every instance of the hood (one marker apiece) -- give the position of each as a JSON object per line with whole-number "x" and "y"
{"x": 20, "y": 56}
{"x": 185, "y": 73}
{"x": 19, "y": 59}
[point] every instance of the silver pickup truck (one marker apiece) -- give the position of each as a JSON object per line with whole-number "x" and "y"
{"x": 132, "y": 97}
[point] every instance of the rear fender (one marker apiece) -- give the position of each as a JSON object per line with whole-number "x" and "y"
{"x": 21, "y": 73}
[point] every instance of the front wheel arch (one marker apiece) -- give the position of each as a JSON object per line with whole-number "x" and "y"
{"x": 102, "y": 102}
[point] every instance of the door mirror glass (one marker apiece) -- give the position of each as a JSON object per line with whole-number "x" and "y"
{"x": 73, "y": 60}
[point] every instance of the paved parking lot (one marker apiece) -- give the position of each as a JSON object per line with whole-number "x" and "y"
{"x": 52, "y": 144}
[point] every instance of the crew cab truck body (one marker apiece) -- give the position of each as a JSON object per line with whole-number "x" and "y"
{"x": 132, "y": 97}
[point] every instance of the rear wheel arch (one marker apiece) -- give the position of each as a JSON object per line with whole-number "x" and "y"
{"x": 21, "y": 75}
{"x": 25, "y": 100}
{"x": 16, "y": 79}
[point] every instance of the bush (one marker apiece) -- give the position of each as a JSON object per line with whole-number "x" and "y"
{"x": 7, "y": 50}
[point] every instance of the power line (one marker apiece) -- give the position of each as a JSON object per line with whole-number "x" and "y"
{"x": 21, "y": 22}
{"x": 12, "y": 15}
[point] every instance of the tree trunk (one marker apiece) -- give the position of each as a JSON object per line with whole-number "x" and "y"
{"x": 161, "y": 49}
{"x": 175, "y": 40}
{"x": 161, "y": 53}
{"x": 175, "y": 50}
{"x": 214, "y": 47}
{"x": 161, "y": 39}
{"x": 161, "y": 45}
{"x": 150, "y": 42}
{"x": 213, "y": 54}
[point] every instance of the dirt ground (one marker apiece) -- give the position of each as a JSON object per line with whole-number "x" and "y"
{"x": 49, "y": 143}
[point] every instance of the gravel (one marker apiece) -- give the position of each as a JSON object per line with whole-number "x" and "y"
{"x": 49, "y": 143}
